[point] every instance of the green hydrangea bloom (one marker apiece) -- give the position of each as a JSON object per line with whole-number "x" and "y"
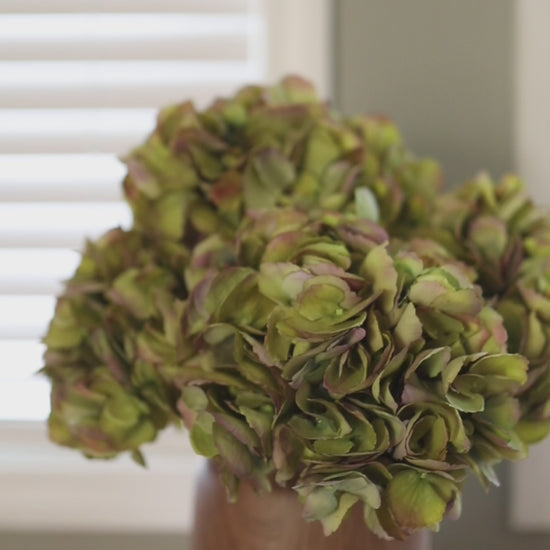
{"x": 299, "y": 292}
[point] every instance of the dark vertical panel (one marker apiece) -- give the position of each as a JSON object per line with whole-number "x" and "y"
{"x": 442, "y": 70}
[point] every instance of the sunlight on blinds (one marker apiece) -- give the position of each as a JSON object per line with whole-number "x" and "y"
{"x": 80, "y": 84}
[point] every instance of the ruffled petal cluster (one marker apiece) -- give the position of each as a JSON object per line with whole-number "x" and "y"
{"x": 496, "y": 228}
{"x": 298, "y": 291}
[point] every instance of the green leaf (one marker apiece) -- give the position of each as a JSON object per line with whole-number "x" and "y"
{"x": 464, "y": 402}
{"x": 533, "y": 431}
{"x": 322, "y": 150}
{"x": 379, "y": 268}
{"x": 138, "y": 458}
{"x": 490, "y": 236}
{"x": 409, "y": 328}
{"x": 292, "y": 90}
{"x": 170, "y": 213}
{"x": 509, "y": 366}
{"x": 333, "y": 447}
{"x": 235, "y": 455}
{"x": 319, "y": 503}
{"x": 201, "y": 435}
{"x": 361, "y": 487}
{"x": 503, "y": 411}
{"x": 366, "y": 204}
{"x": 238, "y": 428}
{"x": 347, "y": 373}
{"x": 260, "y": 421}
{"x": 195, "y": 398}
{"x": 269, "y": 173}
{"x": 287, "y": 453}
{"x": 64, "y": 330}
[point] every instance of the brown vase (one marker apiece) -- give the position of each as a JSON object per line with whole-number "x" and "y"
{"x": 274, "y": 522}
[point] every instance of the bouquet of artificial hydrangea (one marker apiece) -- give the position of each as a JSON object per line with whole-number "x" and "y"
{"x": 300, "y": 292}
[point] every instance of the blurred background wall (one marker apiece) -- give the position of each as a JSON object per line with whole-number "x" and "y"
{"x": 444, "y": 72}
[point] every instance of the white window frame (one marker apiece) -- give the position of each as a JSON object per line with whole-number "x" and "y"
{"x": 530, "y": 480}
{"x": 49, "y": 488}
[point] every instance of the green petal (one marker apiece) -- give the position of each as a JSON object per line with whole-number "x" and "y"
{"x": 64, "y": 330}
{"x": 269, "y": 174}
{"x": 366, "y": 204}
{"x": 334, "y": 520}
{"x": 409, "y": 328}
{"x": 511, "y": 367}
{"x": 201, "y": 435}
{"x": 195, "y": 398}
{"x": 414, "y": 501}
{"x": 379, "y": 268}
{"x": 319, "y": 503}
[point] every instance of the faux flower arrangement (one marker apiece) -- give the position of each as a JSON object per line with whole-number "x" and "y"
{"x": 300, "y": 292}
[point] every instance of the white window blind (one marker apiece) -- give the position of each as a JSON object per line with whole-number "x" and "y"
{"x": 80, "y": 83}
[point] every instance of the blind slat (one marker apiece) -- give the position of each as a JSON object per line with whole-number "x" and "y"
{"x": 60, "y": 178}
{"x": 113, "y": 73}
{"x": 135, "y": 95}
{"x": 124, "y": 36}
{"x": 119, "y": 27}
{"x": 99, "y": 190}
{"x": 35, "y": 271}
{"x": 123, "y": 6}
{"x": 25, "y": 317}
{"x": 73, "y": 131}
{"x": 24, "y": 399}
{"x": 131, "y": 84}
{"x": 21, "y": 359}
{"x": 162, "y": 48}
{"x": 58, "y": 225}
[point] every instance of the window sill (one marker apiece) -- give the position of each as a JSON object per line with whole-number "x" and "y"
{"x": 48, "y": 488}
